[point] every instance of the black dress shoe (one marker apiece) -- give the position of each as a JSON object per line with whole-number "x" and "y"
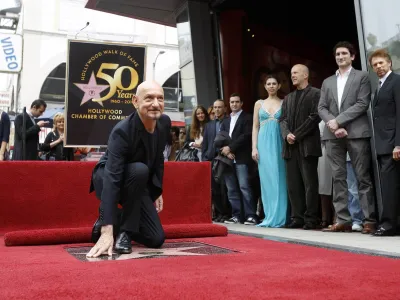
{"x": 217, "y": 219}
{"x": 384, "y": 232}
{"x": 294, "y": 225}
{"x": 96, "y": 231}
{"x": 123, "y": 244}
{"x": 311, "y": 226}
{"x": 325, "y": 224}
{"x": 224, "y": 218}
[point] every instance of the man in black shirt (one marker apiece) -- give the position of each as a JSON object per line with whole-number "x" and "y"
{"x": 299, "y": 126}
{"x": 151, "y": 141}
{"x": 131, "y": 174}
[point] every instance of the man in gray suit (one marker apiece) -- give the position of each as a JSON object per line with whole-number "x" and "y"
{"x": 345, "y": 99}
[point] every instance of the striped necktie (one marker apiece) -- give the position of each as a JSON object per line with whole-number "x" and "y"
{"x": 379, "y": 86}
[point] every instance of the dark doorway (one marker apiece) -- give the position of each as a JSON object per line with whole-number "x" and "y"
{"x": 53, "y": 88}
{"x": 260, "y": 37}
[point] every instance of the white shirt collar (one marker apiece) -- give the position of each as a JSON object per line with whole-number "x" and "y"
{"x": 382, "y": 80}
{"x": 236, "y": 114}
{"x": 347, "y": 73}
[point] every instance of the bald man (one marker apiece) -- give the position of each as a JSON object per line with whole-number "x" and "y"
{"x": 131, "y": 174}
{"x": 302, "y": 148}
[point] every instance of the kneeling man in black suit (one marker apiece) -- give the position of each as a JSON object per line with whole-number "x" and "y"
{"x": 131, "y": 174}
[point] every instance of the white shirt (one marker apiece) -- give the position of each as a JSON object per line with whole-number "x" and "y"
{"x": 382, "y": 80}
{"x": 234, "y": 118}
{"x": 30, "y": 115}
{"x": 341, "y": 83}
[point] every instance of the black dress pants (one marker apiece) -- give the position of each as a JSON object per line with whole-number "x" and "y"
{"x": 302, "y": 182}
{"x": 390, "y": 187}
{"x": 219, "y": 198}
{"x": 139, "y": 216}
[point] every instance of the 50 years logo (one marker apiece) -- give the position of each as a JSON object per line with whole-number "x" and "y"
{"x": 112, "y": 74}
{"x": 116, "y": 81}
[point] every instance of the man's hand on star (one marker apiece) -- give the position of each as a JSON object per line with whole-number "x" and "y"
{"x": 105, "y": 243}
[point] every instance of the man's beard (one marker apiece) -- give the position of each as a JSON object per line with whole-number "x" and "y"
{"x": 154, "y": 114}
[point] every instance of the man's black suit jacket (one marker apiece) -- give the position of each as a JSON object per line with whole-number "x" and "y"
{"x": 386, "y": 112}
{"x": 302, "y": 120}
{"x": 32, "y": 138}
{"x": 208, "y": 150}
{"x": 126, "y": 145}
{"x": 241, "y": 137}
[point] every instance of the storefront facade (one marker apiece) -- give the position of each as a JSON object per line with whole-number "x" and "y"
{"x": 226, "y": 46}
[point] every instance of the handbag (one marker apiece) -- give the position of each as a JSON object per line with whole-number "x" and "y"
{"x": 187, "y": 153}
{"x": 49, "y": 155}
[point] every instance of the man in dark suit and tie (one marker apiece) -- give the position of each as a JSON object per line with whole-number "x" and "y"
{"x": 32, "y": 129}
{"x": 345, "y": 99}
{"x": 131, "y": 174}
{"x": 386, "y": 116}
{"x": 239, "y": 125}
{"x": 209, "y": 152}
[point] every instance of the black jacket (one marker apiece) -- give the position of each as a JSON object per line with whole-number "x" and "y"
{"x": 208, "y": 149}
{"x": 59, "y": 152}
{"x": 303, "y": 123}
{"x": 32, "y": 138}
{"x": 221, "y": 163}
{"x": 240, "y": 144}
{"x": 126, "y": 145}
{"x": 386, "y": 112}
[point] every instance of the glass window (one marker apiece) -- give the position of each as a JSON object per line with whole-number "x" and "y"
{"x": 381, "y": 27}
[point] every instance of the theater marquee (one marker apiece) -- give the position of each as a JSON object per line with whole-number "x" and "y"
{"x": 101, "y": 80}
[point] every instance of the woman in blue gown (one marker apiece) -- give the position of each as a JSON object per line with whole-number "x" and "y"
{"x": 267, "y": 151}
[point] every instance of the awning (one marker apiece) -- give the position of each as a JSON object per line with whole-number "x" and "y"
{"x": 48, "y": 115}
{"x": 161, "y": 11}
{"x": 178, "y": 123}
{"x": 156, "y": 11}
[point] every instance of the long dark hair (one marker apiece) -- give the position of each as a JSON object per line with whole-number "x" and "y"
{"x": 196, "y": 124}
{"x": 272, "y": 76}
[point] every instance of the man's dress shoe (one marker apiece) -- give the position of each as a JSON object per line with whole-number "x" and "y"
{"x": 384, "y": 232}
{"x": 96, "y": 231}
{"x": 369, "y": 228}
{"x": 294, "y": 225}
{"x": 123, "y": 244}
{"x": 338, "y": 228}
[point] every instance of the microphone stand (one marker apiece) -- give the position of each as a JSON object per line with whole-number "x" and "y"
{"x": 87, "y": 24}
{"x": 24, "y": 133}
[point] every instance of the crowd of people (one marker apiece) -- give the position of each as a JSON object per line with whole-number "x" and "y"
{"x": 52, "y": 148}
{"x": 300, "y": 162}
{"x": 311, "y": 151}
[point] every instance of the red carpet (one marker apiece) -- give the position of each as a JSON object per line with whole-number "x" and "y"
{"x": 55, "y": 203}
{"x": 262, "y": 270}
{"x": 41, "y": 195}
{"x": 82, "y": 234}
